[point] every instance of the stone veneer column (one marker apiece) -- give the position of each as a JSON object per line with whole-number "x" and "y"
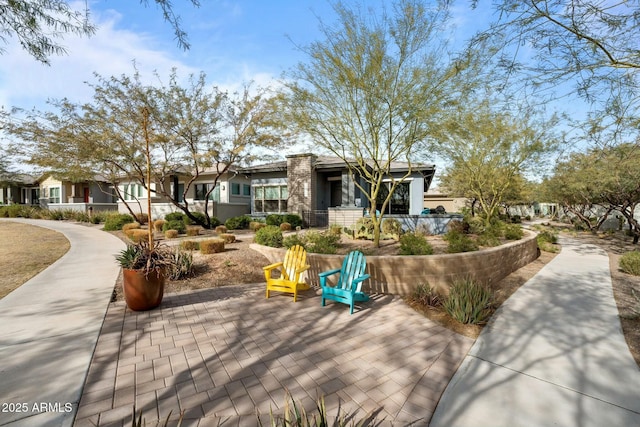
{"x": 301, "y": 183}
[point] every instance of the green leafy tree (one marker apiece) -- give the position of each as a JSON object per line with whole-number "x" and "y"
{"x": 488, "y": 151}
{"x": 39, "y": 25}
{"x": 592, "y": 46}
{"x": 373, "y": 89}
{"x": 192, "y": 130}
{"x": 606, "y": 178}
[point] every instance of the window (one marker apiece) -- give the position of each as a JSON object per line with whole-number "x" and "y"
{"x": 399, "y": 202}
{"x": 246, "y": 190}
{"x": 180, "y": 194}
{"x": 132, "y": 191}
{"x": 270, "y": 198}
{"x": 235, "y": 188}
{"x": 202, "y": 190}
{"x": 54, "y": 195}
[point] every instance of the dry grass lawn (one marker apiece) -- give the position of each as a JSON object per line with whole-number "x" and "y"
{"x": 26, "y": 250}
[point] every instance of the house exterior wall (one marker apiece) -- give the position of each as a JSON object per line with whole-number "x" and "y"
{"x": 51, "y": 191}
{"x": 302, "y": 179}
{"x": 230, "y": 205}
{"x": 450, "y": 204}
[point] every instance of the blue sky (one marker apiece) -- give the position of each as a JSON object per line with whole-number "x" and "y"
{"x": 232, "y": 41}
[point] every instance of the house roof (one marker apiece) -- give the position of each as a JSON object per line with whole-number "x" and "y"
{"x": 330, "y": 162}
{"x": 19, "y": 179}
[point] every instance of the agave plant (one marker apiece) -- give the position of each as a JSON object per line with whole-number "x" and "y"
{"x": 145, "y": 256}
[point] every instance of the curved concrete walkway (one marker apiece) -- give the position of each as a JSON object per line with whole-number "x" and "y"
{"x": 49, "y": 328}
{"x": 554, "y": 355}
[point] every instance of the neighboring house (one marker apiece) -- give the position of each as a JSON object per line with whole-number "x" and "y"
{"x": 58, "y": 193}
{"x": 322, "y": 191}
{"x": 231, "y": 196}
{"x": 19, "y": 189}
{"x": 435, "y": 197}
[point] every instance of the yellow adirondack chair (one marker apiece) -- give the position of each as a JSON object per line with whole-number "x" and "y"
{"x": 294, "y": 264}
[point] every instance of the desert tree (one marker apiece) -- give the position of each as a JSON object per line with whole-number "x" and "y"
{"x": 488, "y": 152}
{"x": 374, "y": 86}
{"x": 585, "y": 48}
{"x": 192, "y": 129}
{"x": 40, "y": 25}
{"x": 593, "y": 185}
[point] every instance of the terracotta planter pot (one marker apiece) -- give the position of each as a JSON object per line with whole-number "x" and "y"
{"x": 142, "y": 292}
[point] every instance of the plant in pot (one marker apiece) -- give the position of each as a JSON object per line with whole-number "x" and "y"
{"x": 144, "y": 268}
{"x": 145, "y": 264}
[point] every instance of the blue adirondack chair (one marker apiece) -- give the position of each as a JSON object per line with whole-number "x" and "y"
{"x": 348, "y": 288}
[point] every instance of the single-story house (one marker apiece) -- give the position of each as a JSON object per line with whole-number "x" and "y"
{"x": 436, "y": 196}
{"x": 230, "y": 197}
{"x": 58, "y": 193}
{"x": 20, "y": 189}
{"x": 322, "y": 191}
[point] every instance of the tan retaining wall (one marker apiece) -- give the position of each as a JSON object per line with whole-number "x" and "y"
{"x": 400, "y": 275}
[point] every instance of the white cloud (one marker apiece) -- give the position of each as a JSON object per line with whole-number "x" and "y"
{"x": 26, "y": 83}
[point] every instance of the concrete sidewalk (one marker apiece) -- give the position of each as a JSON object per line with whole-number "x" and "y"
{"x": 49, "y": 328}
{"x": 554, "y": 355}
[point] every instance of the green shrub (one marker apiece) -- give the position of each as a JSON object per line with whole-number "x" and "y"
{"x": 100, "y": 216}
{"x": 175, "y": 224}
{"x": 238, "y": 222}
{"x": 214, "y": 222}
{"x": 391, "y": 227}
{"x": 513, "y": 232}
{"x": 293, "y": 240}
{"x": 270, "y": 235}
{"x": 54, "y": 215}
{"x": 274, "y": 219}
{"x": 10, "y": 211}
{"x": 321, "y": 243}
{"x": 426, "y": 296}
{"x": 293, "y": 219}
{"x": 469, "y": 302}
{"x": 491, "y": 235}
{"x": 190, "y": 245}
{"x": 175, "y": 216}
{"x": 546, "y": 241}
{"x": 459, "y": 242}
{"x": 197, "y": 215}
{"x": 181, "y": 265}
{"x": 414, "y": 244}
{"x": 115, "y": 222}
{"x": 630, "y": 263}
{"x": 547, "y": 236}
{"x": 474, "y": 224}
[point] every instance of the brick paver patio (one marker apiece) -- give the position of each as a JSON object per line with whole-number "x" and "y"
{"x": 221, "y": 354}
